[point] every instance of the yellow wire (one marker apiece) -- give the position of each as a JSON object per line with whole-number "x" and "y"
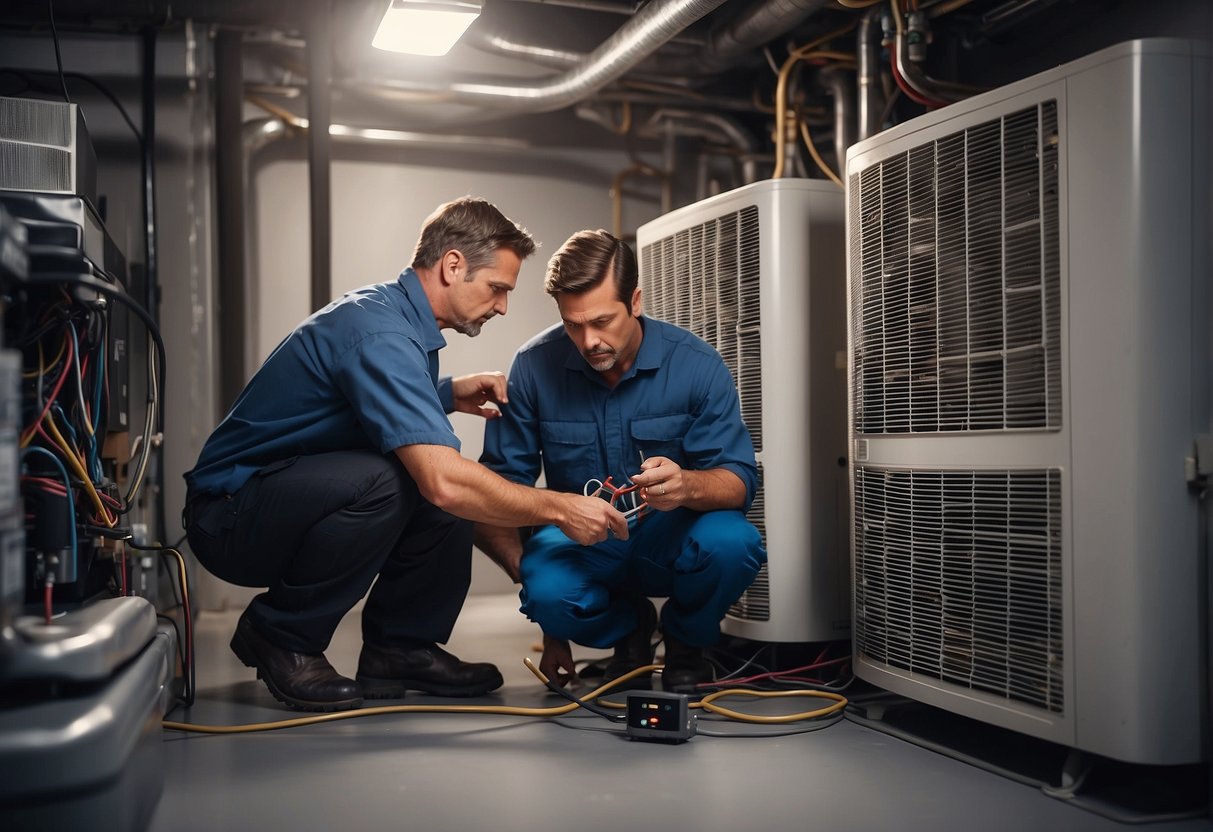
{"x": 625, "y": 125}
{"x": 78, "y": 467}
{"x": 509, "y": 710}
{"x": 41, "y": 364}
{"x": 860, "y": 4}
{"x": 781, "y": 90}
{"x": 707, "y": 703}
{"x": 181, "y": 573}
{"x": 821, "y": 163}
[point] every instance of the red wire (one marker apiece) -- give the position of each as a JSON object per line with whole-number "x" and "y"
{"x": 122, "y": 567}
{"x": 88, "y": 400}
{"x": 47, "y": 605}
{"x": 776, "y": 673}
{"x": 910, "y": 92}
{"x": 47, "y": 484}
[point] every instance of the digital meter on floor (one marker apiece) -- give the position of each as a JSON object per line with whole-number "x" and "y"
{"x": 656, "y": 715}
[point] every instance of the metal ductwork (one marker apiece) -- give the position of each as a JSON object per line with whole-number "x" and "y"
{"x": 652, "y": 27}
{"x": 731, "y": 43}
{"x": 495, "y": 44}
{"x": 756, "y": 26}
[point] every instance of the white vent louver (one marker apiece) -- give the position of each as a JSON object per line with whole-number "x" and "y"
{"x": 957, "y": 287}
{"x": 773, "y": 313}
{"x": 44, "y": 146}
{"x": 1029, "y": 360}
{"x": 958, "y": 577}
{"x": 958, "y": 270}
{"x": 706, "y": 280}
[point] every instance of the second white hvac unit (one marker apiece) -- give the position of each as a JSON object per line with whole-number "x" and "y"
{"x": 1030, "y": 343}
{"x": 760, "y": 274}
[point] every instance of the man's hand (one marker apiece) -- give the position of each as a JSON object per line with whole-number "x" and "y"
{"x": 557, "y": 662}
{"x": 665, "y": 485}
{"x": 472, "y": 393}
{"x": 662, "y": 484}
{"x": 589, "y": 520}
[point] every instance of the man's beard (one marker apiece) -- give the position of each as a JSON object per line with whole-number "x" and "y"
{"x": 470, "y": 328}
{"x": 602, "y": 361}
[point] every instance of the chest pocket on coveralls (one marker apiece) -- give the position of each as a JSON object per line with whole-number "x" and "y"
{"x": 662, "y": 436}
{"x": 570, "y": 452}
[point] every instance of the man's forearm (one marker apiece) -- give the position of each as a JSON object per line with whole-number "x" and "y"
{"x": 713, "y": 490}
{"x": 469, "y": 490}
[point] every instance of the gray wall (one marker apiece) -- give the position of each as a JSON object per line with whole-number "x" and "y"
{"x": 378, "y": 206}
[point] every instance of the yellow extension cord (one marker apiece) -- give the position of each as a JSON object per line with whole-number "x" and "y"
{"x": 708, "y": 703}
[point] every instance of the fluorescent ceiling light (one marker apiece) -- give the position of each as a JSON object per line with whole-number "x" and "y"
{"x": 424, "y": 28}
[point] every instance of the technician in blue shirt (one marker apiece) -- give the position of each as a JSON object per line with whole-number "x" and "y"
{"x": 611, "y": 393}
{"x": 337, "y": 468}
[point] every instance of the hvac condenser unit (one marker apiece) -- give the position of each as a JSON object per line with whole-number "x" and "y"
{"x": 760, "y": 274}
{"x": 45, "y": 146}
{"x": 1029, "y": 359}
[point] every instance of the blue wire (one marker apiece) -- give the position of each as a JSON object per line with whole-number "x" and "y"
{"x": 102, "y": 370}
{"x": 67, "y": 484}
{"x": 64, "y": 423}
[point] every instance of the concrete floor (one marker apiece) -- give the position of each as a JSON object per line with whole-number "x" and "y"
{"x": 472, "y": 771}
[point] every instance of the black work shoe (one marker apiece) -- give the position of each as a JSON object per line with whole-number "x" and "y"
{"x": 304, "y": 681}
{"x": 635, "y": 649}
{"x": 387, "y": 672}
{"x": 686, "y": 667}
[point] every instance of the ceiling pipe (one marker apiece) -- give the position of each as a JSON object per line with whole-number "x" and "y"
{"x": 758, "y": 25}
{"x": 495, "y": 44}
{"x": 733, "y": 133}
{"x": 653, "y": 26}
{"x": 230, "y": 150}
{"x": 320, "y": 156}
{"x": 726, "y": 46}
{"x": 836, "y": 80}
{"x": 593, "y": 5}
{"x": 871, "y": 92}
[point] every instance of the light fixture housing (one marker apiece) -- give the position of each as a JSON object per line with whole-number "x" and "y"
{"x": 424, "y": 27}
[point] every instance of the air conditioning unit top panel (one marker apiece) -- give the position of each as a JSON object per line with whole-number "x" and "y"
{"x": 727, "y": 202}
{"x": 977, "y": 109}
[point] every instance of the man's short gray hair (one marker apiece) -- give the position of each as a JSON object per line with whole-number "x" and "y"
{"x": 475, "y": 228}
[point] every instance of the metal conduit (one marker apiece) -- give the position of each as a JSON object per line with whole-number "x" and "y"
{"x": 871, "y": 93}
{"x": 840, "y": 88}
{"x": 730, "y": 129}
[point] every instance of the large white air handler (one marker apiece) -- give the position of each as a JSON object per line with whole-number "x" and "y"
{"x": 1030, "y": 370}
{"x": 760, "y": 274}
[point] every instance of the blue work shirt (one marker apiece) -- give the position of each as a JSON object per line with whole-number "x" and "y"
{"x": 362, "y": 373}
{"x": 677, "y": 400}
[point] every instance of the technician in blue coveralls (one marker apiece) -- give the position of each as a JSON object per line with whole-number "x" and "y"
{"x": 337, "y": 468}
{"x": 609, "y": 392}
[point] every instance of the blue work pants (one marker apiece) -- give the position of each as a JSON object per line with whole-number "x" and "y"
{"x": 701, "y": 562}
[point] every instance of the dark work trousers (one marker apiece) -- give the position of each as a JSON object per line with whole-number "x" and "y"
{"x": 317, "y": 531}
